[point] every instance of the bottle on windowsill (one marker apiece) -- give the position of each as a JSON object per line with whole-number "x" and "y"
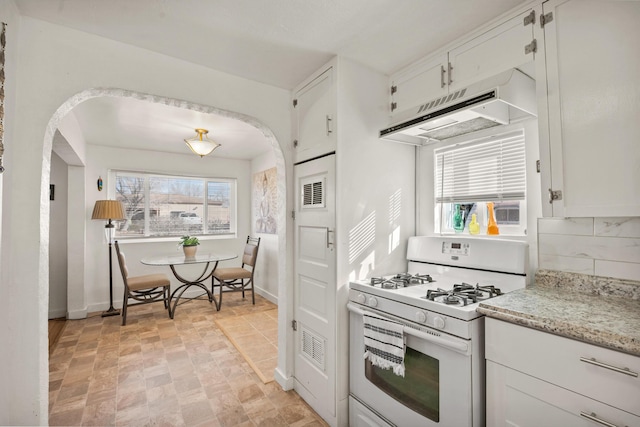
{"x": 492, "y": 227}
{"x": 474, "y": 226}
{"x": 458, "y": 221}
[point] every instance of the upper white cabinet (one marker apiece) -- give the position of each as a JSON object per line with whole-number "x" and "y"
{"x": 499, "y": 48}
{"x": 588, "y": 85}
{"x": 421, "y": 82}
{"x": 314, "y": 106}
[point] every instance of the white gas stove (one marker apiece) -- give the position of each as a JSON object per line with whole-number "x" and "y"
{"x": 446, "y": 279}
{"x": 435, "y": 301}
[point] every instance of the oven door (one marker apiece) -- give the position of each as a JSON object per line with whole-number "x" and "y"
{"x": 436, "y": 389}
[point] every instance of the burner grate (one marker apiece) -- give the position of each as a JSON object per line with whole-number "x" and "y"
{"x": 463, "y": 294}
{"x": 401, "y": 280}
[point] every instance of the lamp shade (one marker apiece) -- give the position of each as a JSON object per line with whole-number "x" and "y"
{"x": 200, "y": 144}
{"x": 108, "y": 209}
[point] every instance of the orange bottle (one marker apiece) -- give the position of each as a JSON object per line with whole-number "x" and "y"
{"x": 492, "y": 227}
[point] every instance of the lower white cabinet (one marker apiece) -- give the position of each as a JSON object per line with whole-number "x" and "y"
{"x": 540, "y": 379}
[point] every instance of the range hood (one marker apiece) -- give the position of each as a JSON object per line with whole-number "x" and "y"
{"x": 509, "y": 97}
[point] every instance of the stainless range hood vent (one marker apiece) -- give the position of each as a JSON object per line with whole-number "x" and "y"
{"x": 506, "y": 98}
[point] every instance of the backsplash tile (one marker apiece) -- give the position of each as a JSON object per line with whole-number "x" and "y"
{"x": 566, "y": 263}
{"x": 607, "y": 247}
{"x": 622, "y": 270}
{"x": 566, "y": 226}
{"x": 621, "y": 227}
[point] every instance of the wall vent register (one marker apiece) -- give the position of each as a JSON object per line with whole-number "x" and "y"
{"x": 313, "y": 194}
{"x": 313, "y": 348}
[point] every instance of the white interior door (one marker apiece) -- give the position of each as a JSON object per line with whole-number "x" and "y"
{"x": 315, "y": 284}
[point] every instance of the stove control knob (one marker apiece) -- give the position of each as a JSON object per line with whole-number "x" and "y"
{"x": 373, "y": 302}
{"x": 438, "y": 322}
{"x": 360, "y": 298}
{"x": 421, "y": 317}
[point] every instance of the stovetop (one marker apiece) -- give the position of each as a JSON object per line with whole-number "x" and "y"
{"x": 440, "y": 289}
{"x": 458, "y": 294}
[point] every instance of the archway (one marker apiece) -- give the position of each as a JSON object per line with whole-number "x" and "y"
{"x": 281, "y": 218}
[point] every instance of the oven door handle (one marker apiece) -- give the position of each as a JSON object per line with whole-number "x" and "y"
{"x": 462, "y": 347}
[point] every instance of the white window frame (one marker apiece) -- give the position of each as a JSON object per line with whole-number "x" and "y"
{"x": 443, "y": 206}
{"x": 147, "y": 235}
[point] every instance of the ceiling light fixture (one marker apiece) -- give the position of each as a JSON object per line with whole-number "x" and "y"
{"x": 200, "y": 144}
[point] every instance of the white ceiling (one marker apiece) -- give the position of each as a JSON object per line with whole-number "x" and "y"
{"x": 277, "y": 42}
{"x": 133, "y": 123}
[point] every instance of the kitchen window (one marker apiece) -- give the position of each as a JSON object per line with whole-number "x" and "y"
{"x": 165, "y": 205}
{"x": 468, "y": 176}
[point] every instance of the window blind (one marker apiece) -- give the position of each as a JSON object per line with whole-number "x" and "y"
{"x": 486, "y": 170}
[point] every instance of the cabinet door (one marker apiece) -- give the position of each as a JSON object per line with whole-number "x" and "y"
{"x": 517, "y": 399}
{"x": 314, "y": 117}
{"x": 417, "y": 85}
{"x": 499, "y": 49}
{"x": 590, "y": 140}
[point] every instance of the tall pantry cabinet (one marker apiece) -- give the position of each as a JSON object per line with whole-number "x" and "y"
{"x": 589, "y": 111}
{"x": 336, "y": 115}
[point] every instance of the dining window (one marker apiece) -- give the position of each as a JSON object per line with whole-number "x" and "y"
{"x": 472, "y": 179}
{"x": 165, "y": 205}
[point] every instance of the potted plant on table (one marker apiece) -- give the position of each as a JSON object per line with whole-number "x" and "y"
{"x": 189, "y": 245}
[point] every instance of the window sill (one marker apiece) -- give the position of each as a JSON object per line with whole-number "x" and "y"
{"x": 520, "y": 237}
{"x": 174, "y": 239}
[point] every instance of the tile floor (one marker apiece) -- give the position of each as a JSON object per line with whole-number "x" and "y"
{"x": 161, "y": 372}
{"x": 255, "y": 335}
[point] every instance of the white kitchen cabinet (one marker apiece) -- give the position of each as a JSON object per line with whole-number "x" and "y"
{"x": 535, "y": 378}
{"x": 417, "y": 84}
{"x": 589, "y": 105}
{"x": 506, "y": 46}
{"x": 499, "y": 48}
{"x": 315, "y": 116}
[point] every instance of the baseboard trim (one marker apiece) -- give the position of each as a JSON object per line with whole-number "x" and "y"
{"x": 267, "y": 295}
{"x": 285, "y": 382}
{"x": 77, "y": 314}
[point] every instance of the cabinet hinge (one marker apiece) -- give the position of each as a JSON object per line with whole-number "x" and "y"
{"x": 394, "y": 105}
{"x": 394, "y": 89}
{"x": 293, "y": 214}
{"x": 530, "y": 18}
{"x": 545, "y": 19}
{"x": 294, "y": 325}
{"x": 295, "y": 142}
{"x": 538, "y": 166}
{"x": 531, "y": 47}
{"x": 295, "y": 103}
{"x": 554, "y": 195}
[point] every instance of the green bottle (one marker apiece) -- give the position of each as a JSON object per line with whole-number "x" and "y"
{"x": 458, "y": 221}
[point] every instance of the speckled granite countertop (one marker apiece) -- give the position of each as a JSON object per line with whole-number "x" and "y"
{"x": 600, "y": 311}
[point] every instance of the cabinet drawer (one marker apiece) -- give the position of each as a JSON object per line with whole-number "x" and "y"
{"x": 361, "y": 416}
{"x": 602, "y": 374}
{"x": 516, "y": 399}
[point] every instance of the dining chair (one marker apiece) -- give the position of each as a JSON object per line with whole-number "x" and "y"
{"x": 145, "y": 289}
{"x": 238, "y": 279}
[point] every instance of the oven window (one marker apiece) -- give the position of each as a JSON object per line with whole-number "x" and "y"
{"x": 419, "y": 390}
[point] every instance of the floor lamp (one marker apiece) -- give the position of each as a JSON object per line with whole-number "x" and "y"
{"x": 109, "y": 210}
